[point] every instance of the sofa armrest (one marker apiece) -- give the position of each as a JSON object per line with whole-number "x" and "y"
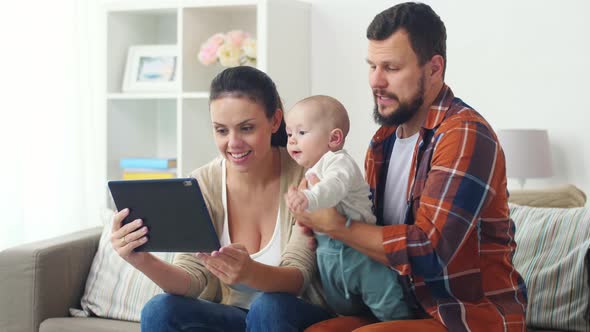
{"x": 44, "y": 279}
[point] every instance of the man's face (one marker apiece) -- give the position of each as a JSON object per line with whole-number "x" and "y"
{"x": 396, "y": 78}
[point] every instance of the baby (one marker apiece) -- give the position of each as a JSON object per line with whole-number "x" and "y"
{"x": 317, "y": 127}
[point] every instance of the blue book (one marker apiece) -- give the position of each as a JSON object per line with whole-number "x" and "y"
{"x": 157, "y": 163}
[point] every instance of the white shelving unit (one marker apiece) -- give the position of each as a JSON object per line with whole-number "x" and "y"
{"x": 177, "y": 124}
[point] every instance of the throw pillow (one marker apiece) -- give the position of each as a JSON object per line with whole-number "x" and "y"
{"x": 114, "y": 288}
{"x": 552, "y": 257}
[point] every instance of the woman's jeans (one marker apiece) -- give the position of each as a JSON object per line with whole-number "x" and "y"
{"x": 269, "y": 312}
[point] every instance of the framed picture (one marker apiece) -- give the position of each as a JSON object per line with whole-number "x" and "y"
{"x": 151, "y": 68}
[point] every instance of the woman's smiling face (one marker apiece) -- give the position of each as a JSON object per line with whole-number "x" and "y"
{"x": 242, "y": 131}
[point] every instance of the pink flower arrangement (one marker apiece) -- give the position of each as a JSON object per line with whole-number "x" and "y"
{"x": 231, "y": 49}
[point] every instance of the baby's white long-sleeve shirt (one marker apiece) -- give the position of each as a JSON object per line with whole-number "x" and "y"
{"x": 341, "y": 185}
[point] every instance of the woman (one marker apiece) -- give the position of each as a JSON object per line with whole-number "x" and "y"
{"x": 253, "y": 281}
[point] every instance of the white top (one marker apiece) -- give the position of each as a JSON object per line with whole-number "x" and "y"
{"x": 396, "y": 186}
{"x": 241, "y": 295}
{"x": 341, "y": 185}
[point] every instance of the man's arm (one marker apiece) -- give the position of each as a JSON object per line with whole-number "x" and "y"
{"x": 455, "y": 192}
{"x": 366, "y": 238}
{"x": 458, "y": 187}
{"x": 363, "y": 237}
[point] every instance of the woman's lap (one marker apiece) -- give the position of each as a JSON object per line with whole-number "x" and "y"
{"x": 269, "y": 312}
{"x": 166, "y": 312}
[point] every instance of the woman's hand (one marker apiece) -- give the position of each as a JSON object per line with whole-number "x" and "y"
{"x": 128, "y": 237}
{"x": 231, "y": 264}
{"x": 312, "y": 243}
{"x": 296, "y": 200}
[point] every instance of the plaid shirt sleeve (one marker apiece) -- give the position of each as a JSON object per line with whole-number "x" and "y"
{"x": 456, "y": 189}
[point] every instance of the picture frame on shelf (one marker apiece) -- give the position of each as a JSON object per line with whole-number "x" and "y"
{"x": 151, "y": 68}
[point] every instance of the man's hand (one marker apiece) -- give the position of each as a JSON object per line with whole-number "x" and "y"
{"x": 322, "y": 220}
{"x": 366, "y": 238}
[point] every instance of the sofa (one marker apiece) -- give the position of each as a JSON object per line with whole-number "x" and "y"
{"x": 41, "y": 281}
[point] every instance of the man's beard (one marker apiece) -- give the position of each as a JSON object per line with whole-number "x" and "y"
{"x": 404, "y": 112}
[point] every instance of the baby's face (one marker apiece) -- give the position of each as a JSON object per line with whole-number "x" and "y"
{"x": 308, "y": 136}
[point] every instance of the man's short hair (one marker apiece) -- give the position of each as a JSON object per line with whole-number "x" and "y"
{"x": 427, "y": 32}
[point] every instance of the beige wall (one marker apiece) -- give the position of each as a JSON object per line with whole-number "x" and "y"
{"x": 522, "y": 64}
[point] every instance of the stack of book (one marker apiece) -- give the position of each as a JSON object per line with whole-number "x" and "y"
{"x": 148, "y": 168}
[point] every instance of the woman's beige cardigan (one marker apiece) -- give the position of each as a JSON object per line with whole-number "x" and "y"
{"x": 295, "y": 252}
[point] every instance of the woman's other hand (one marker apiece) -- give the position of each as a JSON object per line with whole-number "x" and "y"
{"x": 231, "y": 264}
{"x": 125, "y": 238}
{"x": 312, "y": 243}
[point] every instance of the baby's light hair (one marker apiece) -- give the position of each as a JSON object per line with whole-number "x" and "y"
{"x": 330, "y": 110}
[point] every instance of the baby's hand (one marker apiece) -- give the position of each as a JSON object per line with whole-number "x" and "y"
{"x": 296, "y": 200}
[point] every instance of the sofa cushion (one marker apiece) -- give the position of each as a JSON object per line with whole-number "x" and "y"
{"x": 114, "y": 288}
{"x": 552, "y": 257}
{"x": 87, "y": 325}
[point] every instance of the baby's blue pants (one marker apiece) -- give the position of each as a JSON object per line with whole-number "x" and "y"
{"x": 354, "y": 283}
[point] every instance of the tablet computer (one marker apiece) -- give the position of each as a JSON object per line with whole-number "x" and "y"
{"x": 173, "y": 210}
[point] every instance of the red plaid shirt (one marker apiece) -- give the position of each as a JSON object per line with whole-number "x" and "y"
{"x": 457, "y": 242}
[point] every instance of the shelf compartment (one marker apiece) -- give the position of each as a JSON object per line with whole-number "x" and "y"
{"x": 131, "y": 28}
{"x": 196, "y": 95}
{"x": 201, "y": 23}
{"x": 140, "y": 128}
{"x": 146, "y": 95}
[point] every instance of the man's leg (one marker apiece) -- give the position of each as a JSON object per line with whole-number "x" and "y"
{"x": 426, "y": 325}
{"x": 283, "y": 312}
{"x": 341, "y": 324}
{"x": 166, "y": 312}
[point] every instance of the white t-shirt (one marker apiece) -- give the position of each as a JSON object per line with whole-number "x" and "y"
{"x": 394, "y": 208}
{"x": 341, "y": 185}
{"x": 241, "y": 295}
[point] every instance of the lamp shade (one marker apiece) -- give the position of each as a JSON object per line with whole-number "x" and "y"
{"x": 527, "y": 153}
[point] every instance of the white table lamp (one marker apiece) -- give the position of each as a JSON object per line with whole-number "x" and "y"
{"x": 527, "y": 153}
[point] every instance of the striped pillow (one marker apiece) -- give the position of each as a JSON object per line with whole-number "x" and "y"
{"x": 114, "y": 288}
{"x": 552, "y": 256}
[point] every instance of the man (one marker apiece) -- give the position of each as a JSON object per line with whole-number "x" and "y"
{"x": 437, "y": 176}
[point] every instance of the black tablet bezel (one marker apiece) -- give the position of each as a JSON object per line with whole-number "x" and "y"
{"x": 174, "y": 211}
